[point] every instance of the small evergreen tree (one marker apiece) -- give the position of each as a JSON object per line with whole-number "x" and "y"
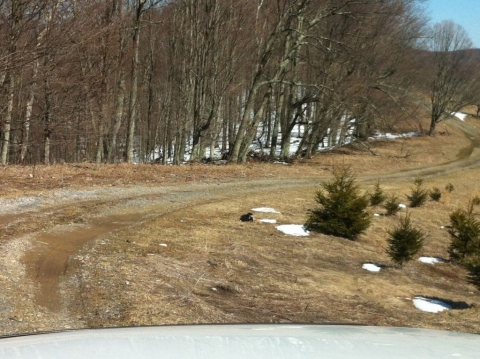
{"x": 435, "y": 194}
{"x": 391, "y": 205}
{"x": 473, "y": 269}
{"x": 449, "y": 188}
{"x": 343, "y": 209}
{"x": 475, "y": 201}
{"x": 418, "y": 196}
{"x": 464, "y": 234}
{"x": 378, "y": 196}
{"x": 405, "y": 241}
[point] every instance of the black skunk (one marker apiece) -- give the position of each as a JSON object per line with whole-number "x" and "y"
{"x": 246, "y": 217}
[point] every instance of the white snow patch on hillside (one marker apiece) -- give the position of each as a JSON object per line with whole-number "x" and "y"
{"x": 460, "y": 115}
{"x": 265, "y": 210}
{"x": 430, "y": 305}
{"x": 293, "y": 230}
{"x": 371, "y": 267}
{"x": 268, "y": 220}
{"x": 430, "y": 260}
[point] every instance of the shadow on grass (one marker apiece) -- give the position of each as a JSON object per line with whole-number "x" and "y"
{"x": 455, "y": 305}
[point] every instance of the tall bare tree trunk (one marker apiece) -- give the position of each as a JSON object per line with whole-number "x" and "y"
{"x": 47, "y": 132}
{"x": 134, "y": 90}
{"x": 8, "y": 120}
{"x": 120, "y": 105}
{"x": 28, "y": 115}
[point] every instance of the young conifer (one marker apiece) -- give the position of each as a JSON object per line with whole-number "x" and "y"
{"x": 404, "y": 241}
{"x": 449, "y": 187}
{"x": 473, "y": 271}
{"x": 342, "y": 210}
{"x": 378, "y": 196}
{"x": 391, "y": 205}
{"x": 464, "y": 234}
{"x": 435, "y": 194}
{"x": 465, "y": 240}
{"x": 418, "y": 196}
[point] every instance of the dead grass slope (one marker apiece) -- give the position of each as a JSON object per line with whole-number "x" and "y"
{"x": 216, "y": 269}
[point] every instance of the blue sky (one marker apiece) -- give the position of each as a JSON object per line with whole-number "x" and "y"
{"x": 463, "y": 12}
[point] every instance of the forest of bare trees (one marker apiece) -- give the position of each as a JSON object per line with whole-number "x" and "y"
{"x": 107, "y": 81}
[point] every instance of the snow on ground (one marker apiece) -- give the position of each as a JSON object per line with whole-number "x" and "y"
{"x": 371, "y": 267}
{"x": 460, "y": 115}
{"x": 430, "y": 260}
{"x": 268, "y": 220}
{"x": 430, "y": 305}
{"x": 293, "y": 229}
{"x": 390, "y": 136}
{"x": 333, "y": 139}
{"x": 265, "y": 210}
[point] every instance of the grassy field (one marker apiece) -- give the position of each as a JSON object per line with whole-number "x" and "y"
{"x": 216, "y": 269}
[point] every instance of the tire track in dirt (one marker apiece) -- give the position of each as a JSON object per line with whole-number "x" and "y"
{"x": 49, "y": 258}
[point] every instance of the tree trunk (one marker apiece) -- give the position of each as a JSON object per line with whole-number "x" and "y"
{"x": 28, "y": 118}
{"x": 8, "y": 120}
{"x": 433, "y": 125}
{"x": 120, "y": 105}
{"x": 252, "y": 129}
{"x": 134, "y": 90}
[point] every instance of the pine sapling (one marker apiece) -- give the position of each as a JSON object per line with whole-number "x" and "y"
{"x": 343, "y": 209}
{"x": 464, "y": 234}
{"x": 473, "y": 271}
{"x": 391, "y": 205}
{"x": 378, "y": 196}
{"x": 418, "y": 196}
{"x": 404, "y": 241}
{"x": 435, "y": 194}
{"x": 449, "y": 188}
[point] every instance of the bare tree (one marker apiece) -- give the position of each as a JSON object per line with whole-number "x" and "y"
{"x": 36, "y": 53}
{"x": 453, "y": 75}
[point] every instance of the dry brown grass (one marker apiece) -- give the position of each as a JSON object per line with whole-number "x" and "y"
{"x": 262, "y": 275}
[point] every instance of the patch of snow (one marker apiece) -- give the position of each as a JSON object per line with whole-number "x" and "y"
{"x": 401, "y": 205}
{"x": 268, "y": 220}
{"x": 293, "y": 230}
{"x": 390, "y": 136}
{"x": 265, "y": 210}
{"x": 430, "y": 260}
{"x": 371, "y": 267}
{"x": 430, "y": 305}
{"x": 460, "y": 115}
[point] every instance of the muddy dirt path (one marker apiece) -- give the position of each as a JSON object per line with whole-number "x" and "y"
{"x": 111, "y": 209}
{"x": 48, "y": 262}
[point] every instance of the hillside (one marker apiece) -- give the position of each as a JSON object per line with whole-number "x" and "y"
{"x": 119, "y": 245}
